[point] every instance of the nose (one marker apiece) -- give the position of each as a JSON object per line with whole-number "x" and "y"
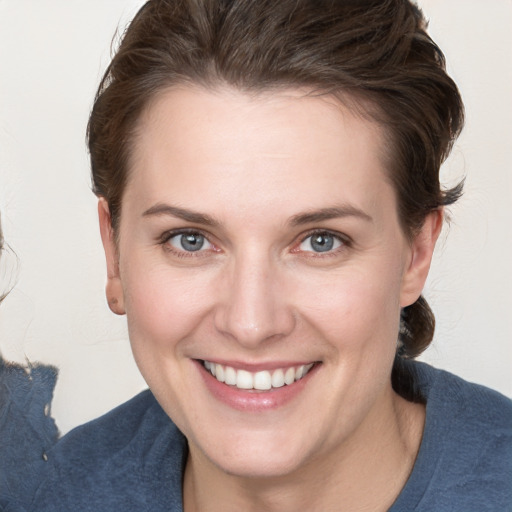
{"x": 253, "y": 306}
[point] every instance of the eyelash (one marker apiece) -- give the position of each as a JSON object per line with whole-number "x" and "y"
{"x": 345, "y": 243}
{"x": 168, "y": 235}
{"x": 344, "y": 240}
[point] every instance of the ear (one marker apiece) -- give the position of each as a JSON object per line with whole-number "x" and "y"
{"x": 113, "y": 289}
{"x": 422, "y": 249}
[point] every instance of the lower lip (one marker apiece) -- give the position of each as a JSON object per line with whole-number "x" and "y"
{"x": 253, "y": 400}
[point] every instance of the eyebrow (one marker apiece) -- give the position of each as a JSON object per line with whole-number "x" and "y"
{"x": 297, "y": 220}
{"x": 181, "y": 213}
{"x": 329, "y": 213}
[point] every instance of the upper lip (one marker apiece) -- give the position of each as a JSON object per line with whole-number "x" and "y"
{"x": 260, "y": 366}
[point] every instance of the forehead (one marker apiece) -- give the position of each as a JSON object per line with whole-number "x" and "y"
{"x": 195, "y": 146}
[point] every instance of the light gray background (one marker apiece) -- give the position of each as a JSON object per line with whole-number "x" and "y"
{"x": 52, "y": 55}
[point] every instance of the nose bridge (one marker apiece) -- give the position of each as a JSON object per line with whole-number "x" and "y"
{"x": 254, "y": 308}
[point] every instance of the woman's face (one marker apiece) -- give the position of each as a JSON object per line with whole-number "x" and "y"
{"x": 259, "y": 239}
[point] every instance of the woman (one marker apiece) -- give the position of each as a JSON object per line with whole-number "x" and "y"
{"x": 268, "y": 175}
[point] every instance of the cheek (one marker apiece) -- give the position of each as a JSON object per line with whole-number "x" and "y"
{"x": 354, "y": 310}
{"x": 164, "y": 313}
{"x": 163, "y": 307}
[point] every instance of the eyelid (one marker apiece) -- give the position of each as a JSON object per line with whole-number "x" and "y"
{"x": 164, "y": 238}
{"x": 343, "y": 238}
{"x": 167, "y": 235}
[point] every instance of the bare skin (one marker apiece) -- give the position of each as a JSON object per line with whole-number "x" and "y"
{"x": 370, "y": 477}
{"x": 261, "y": 234}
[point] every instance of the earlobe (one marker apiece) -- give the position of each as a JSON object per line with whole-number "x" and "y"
{"x": 422, "y": 249}
{"x": 113, "y": 289}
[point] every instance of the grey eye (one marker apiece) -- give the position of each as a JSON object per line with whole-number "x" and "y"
{"x": 189, "y": 242}
{"x": 320, "y": 242}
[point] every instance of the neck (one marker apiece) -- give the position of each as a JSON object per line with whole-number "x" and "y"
{"x": 366, "y": 473}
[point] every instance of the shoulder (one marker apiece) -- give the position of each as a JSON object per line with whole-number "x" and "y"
{"x": 465, "y": 458}
{"x": 471, "y": 406}
{"x": 114, "y": 432}
{"x": 27, "y": 432}
{"x": 117, "y": 462}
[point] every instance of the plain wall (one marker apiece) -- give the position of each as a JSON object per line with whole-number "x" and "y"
{"x": 52, "y": 55}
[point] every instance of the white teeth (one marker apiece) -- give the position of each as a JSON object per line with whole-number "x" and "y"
{"x": 219, "y": 373}
{"x": 262, "y": 380}
{"x": 244, "y": 380}
{"x": 230, "y": 376}
{"x": 289, "y": 376}
{"x": 278, "y": 379}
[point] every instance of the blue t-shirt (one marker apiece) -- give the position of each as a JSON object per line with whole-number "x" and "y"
{"x": 133, "y": 458}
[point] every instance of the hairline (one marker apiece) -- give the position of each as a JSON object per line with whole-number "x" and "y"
{"x": 355, "y": 101}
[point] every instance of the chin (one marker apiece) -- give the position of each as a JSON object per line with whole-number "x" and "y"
{"x": 264, "y": 464}
{"x": 256, "y": 454}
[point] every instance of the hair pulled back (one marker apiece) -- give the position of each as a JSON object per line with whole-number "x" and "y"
{"x": 374, "y": 54}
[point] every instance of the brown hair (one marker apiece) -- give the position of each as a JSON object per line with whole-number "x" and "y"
{"x": 8, "y": 266}
{"x": 2, "y": 294}
{"x": 374, "y": 52}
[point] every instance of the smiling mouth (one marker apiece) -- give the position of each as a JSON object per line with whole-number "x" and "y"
{"x": 262, "y": 381}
